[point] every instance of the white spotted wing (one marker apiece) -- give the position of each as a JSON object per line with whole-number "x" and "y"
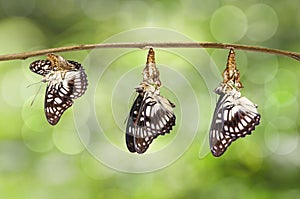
{"x": 150, "y": 116}
{"x": 234, "y": 117}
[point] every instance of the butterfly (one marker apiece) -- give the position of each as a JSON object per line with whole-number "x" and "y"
{"x": 151, "y": 114}
{"x": 235, "y": 116}
{"x": 66, "y": 81}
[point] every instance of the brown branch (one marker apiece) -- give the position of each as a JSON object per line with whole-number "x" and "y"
{"x": 143, "y": 45}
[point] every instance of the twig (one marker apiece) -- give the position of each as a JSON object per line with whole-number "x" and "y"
{"x": 143, "y": 45}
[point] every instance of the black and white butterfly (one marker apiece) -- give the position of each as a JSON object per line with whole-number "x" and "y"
{"x": 150, "y": 116}
{"x": 234, "y": 117}
{"x": 66, "y": 81}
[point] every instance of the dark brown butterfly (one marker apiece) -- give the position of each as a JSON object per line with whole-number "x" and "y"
{"x": 234, "y": 116}
{"x": 151, "y": 114}
{"x": 66, "y": 81}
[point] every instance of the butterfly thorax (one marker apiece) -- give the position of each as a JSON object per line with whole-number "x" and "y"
{"x": 154, "y": 89}
{"x": 54, "y": 77}
{"x": 234, "y": 93}
{"x": 228, "y": 88}
{"x": 221, "y": 90}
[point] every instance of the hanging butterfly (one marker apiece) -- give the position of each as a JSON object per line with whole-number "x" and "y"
{"x": 66, "y": 81}
{"x": 234, "y": 116}
{"x": 151, "y": 114}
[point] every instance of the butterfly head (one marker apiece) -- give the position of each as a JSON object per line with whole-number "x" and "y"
{"x": 151, "y": 89}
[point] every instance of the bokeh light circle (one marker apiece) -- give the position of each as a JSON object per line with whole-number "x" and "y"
{"x": 194, "y": 9}
{"x": 33, "y": 121}
{"x": 99, "y": 10}
{"x": 262, "y": 22}
{"x": 261, "y": 69}
{"x": 18, "y": 7}
{"x": 279, "y": 139}
{"x": 228, "y": 24}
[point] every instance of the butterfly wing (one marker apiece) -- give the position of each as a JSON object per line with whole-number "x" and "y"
{"x": 149, "y": 117}
{"x": 162, "y": 116}
{"x": 56, "y": 102}
{"x": 234, "y": 117}
{"x": 133, "y": 122}
{"x": 139, "y": 145}
{"x": 242, "y": 118}
{"x": 59, "y": 96}
{"x": 77, "y": 82}
{"x": 74, "y": 65}
{"x": 41, "y": 67}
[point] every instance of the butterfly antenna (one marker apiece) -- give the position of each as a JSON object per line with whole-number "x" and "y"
{"x": 34, "y": 83}
{"x": 36, "y": 95}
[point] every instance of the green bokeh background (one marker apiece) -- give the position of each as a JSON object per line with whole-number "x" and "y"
{"x": 41, "y": 161}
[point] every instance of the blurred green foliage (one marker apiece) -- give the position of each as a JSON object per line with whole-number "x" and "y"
{"x": 41, "y": 161}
